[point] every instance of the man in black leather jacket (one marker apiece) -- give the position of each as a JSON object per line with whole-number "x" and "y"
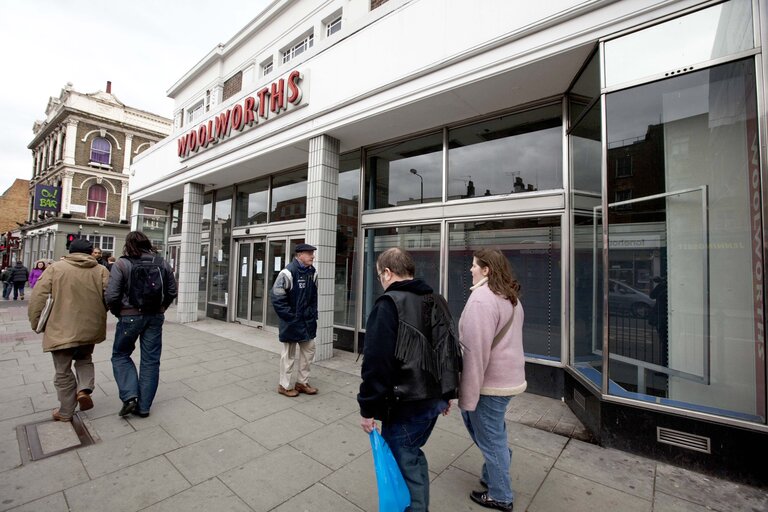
{"x": 398, "y": 387}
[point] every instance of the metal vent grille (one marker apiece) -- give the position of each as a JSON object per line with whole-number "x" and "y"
{"x": 580, "y": 400}
{"x": 683, "y": 440}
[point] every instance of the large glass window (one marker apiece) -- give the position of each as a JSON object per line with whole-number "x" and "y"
{"x": 510, "y": 154}
{"x": 289, "y": 196}
{"x": 177, "y": 210}
{"x": 685, "y": 254}
{"x": 422, "y": 242}
{"x": 346, "y": 239}
{"x": 220, "y": 247}
{"x": 533, "y": 249}
{"x": 101, "y": 151}
{"x": 97, "y": 201}
{"x": 251, "y": 204}
{"x": 207, "y": 211}
{"x": 409, "y": 172}
{"x": 717, "y": 31}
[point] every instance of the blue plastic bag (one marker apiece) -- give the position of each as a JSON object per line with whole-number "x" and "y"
{"x": 393, "y": 493}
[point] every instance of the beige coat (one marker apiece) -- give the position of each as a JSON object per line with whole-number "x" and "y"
{"x": 79, "y": 315}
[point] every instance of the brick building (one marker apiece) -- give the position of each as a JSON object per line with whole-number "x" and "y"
{"x": 82, "y": 152}
{"x": 13, "y": 212}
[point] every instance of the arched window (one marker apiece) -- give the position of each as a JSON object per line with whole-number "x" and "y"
{"x": 97, "y": 202}
{"x": 101, "y": 151}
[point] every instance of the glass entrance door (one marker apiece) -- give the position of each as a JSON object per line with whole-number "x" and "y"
{"x": 259, "y": 262}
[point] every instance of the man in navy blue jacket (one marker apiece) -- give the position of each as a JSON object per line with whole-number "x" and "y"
{"x": 294, "y": 297}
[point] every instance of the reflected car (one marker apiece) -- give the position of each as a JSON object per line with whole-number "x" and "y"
{"x": 624, "y": 298}
{"x": 219, "y": 279}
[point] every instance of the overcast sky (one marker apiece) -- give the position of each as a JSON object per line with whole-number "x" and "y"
{"x": 143, "y": 47}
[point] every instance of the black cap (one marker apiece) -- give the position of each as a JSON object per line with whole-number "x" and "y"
{"x": 81, "y": 245}
{"x": 305, "y": 248}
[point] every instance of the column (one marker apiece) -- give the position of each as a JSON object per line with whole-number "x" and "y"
{"x": 59, "y": 140}
{"x": 70, "y": 141}
{"x": 66, "y": 191}
{"x": 189, "y": 258}
{"x": 135, "y": 209}
{"x": 124, "y": 202}
{"x": 127, "y": 155}
{"x": 322, "y": 201}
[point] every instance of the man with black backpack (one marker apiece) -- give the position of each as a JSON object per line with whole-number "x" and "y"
{"x": 411, "y": 365}
{"x": 141, "y": 287}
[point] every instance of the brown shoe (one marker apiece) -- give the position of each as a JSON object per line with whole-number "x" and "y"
{"x": 287, "y": 392}
{"x": 85, "y": 400}
{"x": 305, "y": 388}
{"x": 58, "y": 417}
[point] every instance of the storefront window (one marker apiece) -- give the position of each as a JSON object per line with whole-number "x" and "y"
{"x": 176, "y": 218}
{"x": 220, "y": 247}
{"x": 207, "y": 211}
{"x": 516, "y": 153}
{"x": 346, "y": 240}
{"x": 685, "y": 253}
{"x": 717, "y": 31}
{"x": 289, "y": 196}
{"x": 585, "y": 89}
{"x": 533, "y": 249}
{"x": 422, "y": 242}
{"x": 406, "y": 173}
{"x": 251, "y": 204}
{"x": 152, "y": 222}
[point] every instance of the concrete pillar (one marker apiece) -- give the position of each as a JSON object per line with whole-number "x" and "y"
{"x": 70, "y": 142}
{"x": 127, "y": 154}
{"x": 189, "y": 258}
{"x": 322, "y": 201}
{"x": 124, "y": 201}
{"x": 59, "y": 140}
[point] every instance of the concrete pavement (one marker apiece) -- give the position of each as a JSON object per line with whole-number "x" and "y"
{"x": 220, "y": 438}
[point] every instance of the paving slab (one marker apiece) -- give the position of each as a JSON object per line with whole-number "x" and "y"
{"x": 260, "y": 405}
{"x": 280, "y": 428}
{"x": 666, "y": 503}
{"x": 40, "y": 478}
{"x": 205, "y": 459}
{"x": 564, "y": 491}
{"x": 121, "y": 452}
{"x": 328, "y": 407}
{"x": 708, "y": 491}
{"x": 334, "y": 445}
{"x": 443, "y": 448}
{"x": 209, "y": 496}
{"x": 211, "y": 380}
{"x": 317, "y": 497}
{"x": 614, "y": 468}
{"x": 218, "y": 396}
{"x": 270, "y": 480}
{"x": 356, "y": 482}
{"x": 129, "y": 489}
{"x": 546, "y": 443}
{"x": 16, "y": 408}
{"x": 53, "y": 503}
{"x": 450, "y": 491}
{"x": 10, "y": 456}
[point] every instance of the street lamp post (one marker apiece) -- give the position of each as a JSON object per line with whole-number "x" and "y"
{"x": 414, "y": 171}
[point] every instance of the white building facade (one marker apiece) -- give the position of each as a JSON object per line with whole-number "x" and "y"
{"x": 614, "y": 151}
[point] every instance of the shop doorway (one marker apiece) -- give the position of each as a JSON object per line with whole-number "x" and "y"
{"x": 259, "y": 261}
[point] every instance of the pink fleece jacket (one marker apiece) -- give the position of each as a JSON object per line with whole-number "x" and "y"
{"x": 498, "y": 372}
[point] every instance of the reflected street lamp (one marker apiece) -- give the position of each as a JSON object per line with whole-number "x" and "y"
{"x": 414, "y": 171}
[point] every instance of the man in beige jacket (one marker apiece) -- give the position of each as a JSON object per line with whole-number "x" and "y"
{"x": 77, "y": 321}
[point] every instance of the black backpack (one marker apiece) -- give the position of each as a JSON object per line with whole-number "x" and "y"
{"x": 146, "y": 289}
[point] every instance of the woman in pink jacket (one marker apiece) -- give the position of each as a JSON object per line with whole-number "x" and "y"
{"x": 491, "y": 331}
{"x": 36, "y": 273}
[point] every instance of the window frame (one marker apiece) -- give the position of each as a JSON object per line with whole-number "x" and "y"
{"x": 298, "y": 47}
{"x": 108, "y": 153}
{"x": 98, "y": 204}
{"x": 333, "y": 25}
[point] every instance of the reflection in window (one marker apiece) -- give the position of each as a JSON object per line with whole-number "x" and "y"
{"x": 97, "y": 201}
{"x": 101, "y": 151}
{"x": 176, "y": 218}
{"x": 423, "y": 242}
{"x": 220, "y": 246}
{"x": 406, "y": 173}
{"x": 251, "y": 203}
{"x": 510, "y": 154}
{"x": 533, "y": 249}
{"x": 682, "y": 307}
{"x": 289, "y": 195}
{"x": 207, "y": 210}
{"x": 346, "y": 241}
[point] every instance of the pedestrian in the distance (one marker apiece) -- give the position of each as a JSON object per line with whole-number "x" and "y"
{"x": 141, "y": 287}
{"x": 294, "y": 297}
{"x": 5, "y": 276}
{"x": 491, "y": 330}
{"x": 19, "y": 276}
{"x": 77, "y": 321}
{"x": 36, "y": 272}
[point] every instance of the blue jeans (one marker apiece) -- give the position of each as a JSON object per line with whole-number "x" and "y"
{"x": 144, "y": 384}
{"x": 405, "y": 440}
{"x": 7, "y": 286}
{"x": 489, "y": 432}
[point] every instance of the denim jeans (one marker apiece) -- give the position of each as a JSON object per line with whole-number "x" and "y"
{"x": 7, "y": 287}
{"x": 489, "y": 432}
{"x": 18, "y": 289}
{"x": 405, "y": 440}
{"x": 144, "y": 384}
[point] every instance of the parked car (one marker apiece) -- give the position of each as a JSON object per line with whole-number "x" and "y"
{"x": 624, "y": 298}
